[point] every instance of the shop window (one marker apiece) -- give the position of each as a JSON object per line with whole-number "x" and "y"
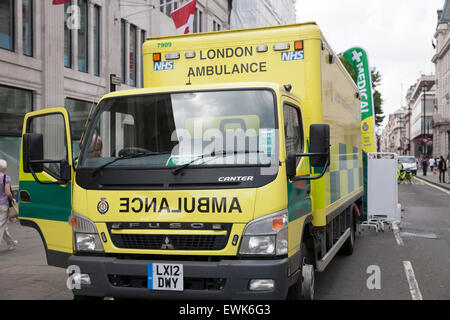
{"x": 7, "y": 24}
{"x": 97, "y": 29}
{"x": 67, "y": 38}
{"x": 27, "y": 16}
{"x": 14, "y": 104}
{"x": 133, "y": 51}
{"x": 83, "y": 37}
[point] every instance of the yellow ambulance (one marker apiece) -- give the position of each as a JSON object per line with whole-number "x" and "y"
{"x": 236, "y": 173}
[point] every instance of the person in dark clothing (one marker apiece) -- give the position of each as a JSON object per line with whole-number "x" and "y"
{"x": 442, "y": 168}
{"x": 425, "y": 166}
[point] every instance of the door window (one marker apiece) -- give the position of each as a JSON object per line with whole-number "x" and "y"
{"x": 52, "y": 127}
{"x": 293, "y": 130}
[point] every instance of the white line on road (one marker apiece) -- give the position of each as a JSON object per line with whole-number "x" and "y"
{"x": 413, "y": 285}
{"x": 434, "y": 186}
{"x": 396, "y": 231}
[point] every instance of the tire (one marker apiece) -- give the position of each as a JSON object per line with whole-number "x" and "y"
{"x": 349, "y": 245}
{"x": 304, "y": 288}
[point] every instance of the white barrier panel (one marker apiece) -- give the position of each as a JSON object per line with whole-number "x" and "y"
{"x": 382, "y": 187}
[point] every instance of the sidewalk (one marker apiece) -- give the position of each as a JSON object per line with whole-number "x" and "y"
{"x": 434, "y": 178}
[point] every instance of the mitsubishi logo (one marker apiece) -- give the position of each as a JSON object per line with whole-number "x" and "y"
{"x": 167, "y": 245}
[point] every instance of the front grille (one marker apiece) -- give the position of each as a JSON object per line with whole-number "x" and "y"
{"x": 170, "y": 242}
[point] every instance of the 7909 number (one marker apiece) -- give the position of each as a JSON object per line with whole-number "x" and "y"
{"x": 164, "y": 44}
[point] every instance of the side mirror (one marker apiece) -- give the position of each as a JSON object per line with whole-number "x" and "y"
{"x": 319, "y": 153}
{"x": 319, "y": 143}
{"x": 33, "y": 150}
{"x": 65, "y": 174}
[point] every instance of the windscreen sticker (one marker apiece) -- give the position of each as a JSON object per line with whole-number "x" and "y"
{"x": 163, "y": 66}
{"x": 266, "y": 139}
{"x": 292, "y": 55}
{"x": 179, "y": 160}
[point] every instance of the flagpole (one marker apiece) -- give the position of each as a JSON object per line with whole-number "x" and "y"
{"x": 148, "y": 9}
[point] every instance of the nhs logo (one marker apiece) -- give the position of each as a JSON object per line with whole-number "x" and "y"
{"x": 163, "y": 65}
{"x": 292, "y": 55}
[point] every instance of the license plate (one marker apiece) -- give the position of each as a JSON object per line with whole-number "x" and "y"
{"x": 165, "y": 277}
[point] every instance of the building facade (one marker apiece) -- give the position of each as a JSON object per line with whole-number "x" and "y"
{"x": 441, "y": 120}
{"x": 394, "y": 136}
{"x": 64, "y": 55}
{"x": 421, "y": 107}
{"x": 261, "y": 13}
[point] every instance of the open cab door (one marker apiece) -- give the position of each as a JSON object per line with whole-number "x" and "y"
{"x": 45, "y": 188}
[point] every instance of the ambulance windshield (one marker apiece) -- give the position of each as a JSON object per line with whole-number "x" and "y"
{"x": 222, "y": 128}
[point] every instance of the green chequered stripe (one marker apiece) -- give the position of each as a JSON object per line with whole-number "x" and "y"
{"x": 344, "y": 174}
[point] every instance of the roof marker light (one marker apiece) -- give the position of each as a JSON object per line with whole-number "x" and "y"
{"x": 172, "y": 56}
{"x": 281, "y": 46}
{"x": 298, "y": 45}
{"x": 190, "y": 54}
{"x": 262, "y": 48}
{"x": 156, "y": 57}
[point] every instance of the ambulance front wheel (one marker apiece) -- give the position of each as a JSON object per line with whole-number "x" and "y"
{"x": 303, "y": 289}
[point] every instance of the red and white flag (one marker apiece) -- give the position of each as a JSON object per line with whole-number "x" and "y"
{"x": 183, "y": 17}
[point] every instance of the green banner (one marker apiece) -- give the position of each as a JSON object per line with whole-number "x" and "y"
{"x": 357, "y": 57}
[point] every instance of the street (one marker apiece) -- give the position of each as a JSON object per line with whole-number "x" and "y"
{"x": 425, "y": 235}
{"x": 425, "y": 239}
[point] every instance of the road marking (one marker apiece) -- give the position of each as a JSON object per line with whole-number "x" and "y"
{"x": 396, "y": 231}
{"x": 419, "y": 235}
{"x": 434, "y": 186}
{"x": 413, "y": 285}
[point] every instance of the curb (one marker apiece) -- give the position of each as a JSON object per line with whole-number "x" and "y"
{"x": 441, "y": 185}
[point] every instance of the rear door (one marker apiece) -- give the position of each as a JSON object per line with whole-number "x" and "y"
{"x": 45, "y": 203}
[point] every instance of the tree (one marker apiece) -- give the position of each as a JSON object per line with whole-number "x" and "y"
{"x": 376, "y": 80}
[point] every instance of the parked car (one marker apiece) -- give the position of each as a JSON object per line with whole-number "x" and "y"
{"x": 409, "y": 162}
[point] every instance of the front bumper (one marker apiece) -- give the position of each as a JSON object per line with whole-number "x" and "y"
{"x": 225, "y": 279}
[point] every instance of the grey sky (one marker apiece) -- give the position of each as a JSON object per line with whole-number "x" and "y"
{"x": 397, "y": 34}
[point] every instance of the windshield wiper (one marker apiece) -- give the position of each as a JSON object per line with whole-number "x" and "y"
{"x": 209, "y": 155}
{"x": 131, "y": 156}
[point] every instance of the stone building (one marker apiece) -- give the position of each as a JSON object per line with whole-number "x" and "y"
{"x": 441, "y": 120}
{"x": 64, "y": 55}
{"x": 261, "y": 13}
{"x": 394, "y": 135}
{"x": 421, "y": 107}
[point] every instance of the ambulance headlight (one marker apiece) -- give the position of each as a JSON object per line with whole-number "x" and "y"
{"x": 266, "y": 236}
{"x": 85, "y": 235}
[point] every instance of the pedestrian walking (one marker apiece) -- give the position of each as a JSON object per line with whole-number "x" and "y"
{"x": 431, "y": 164}
{"x": 448, "y": 164}
{"x": 425, "y": 166}
{"x": 442, "y": 168}
{"x": 5, "y": 198}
